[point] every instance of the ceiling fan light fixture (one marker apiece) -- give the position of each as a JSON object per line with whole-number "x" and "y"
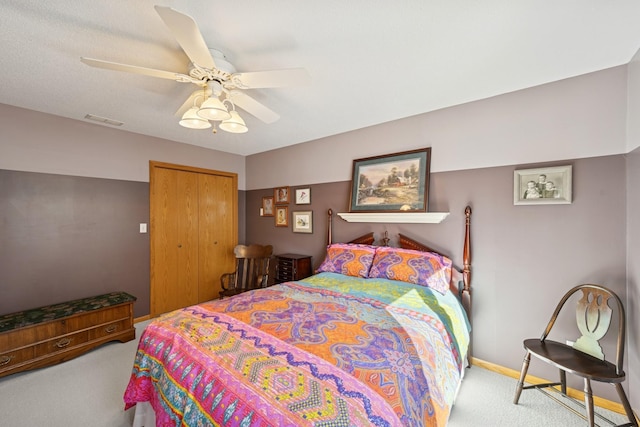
{"x": 235, "y": 124}
{"x": 213, "y": 109}
{"x": 192, "y": 120}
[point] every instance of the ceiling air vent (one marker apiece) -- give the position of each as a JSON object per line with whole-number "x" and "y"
{"x": 103, "y": 120}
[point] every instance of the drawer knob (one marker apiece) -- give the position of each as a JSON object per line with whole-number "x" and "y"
{"x": 4, "y": 360}
{"x": 111, "y": 328}
{"x": 63, "y": 342}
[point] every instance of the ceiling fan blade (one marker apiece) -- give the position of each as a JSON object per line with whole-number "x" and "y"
{"x": 253, "y": 107}
{"x": 275, "y": 78}
{"x": 188, "y": 36}
{"x": 98, "y": 63}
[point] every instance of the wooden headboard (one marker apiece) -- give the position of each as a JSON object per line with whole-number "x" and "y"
{"x": 459, "y": 275}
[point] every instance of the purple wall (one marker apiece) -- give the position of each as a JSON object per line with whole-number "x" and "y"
{"x": 67, "y": 237}
{"x": 524, "y": 257}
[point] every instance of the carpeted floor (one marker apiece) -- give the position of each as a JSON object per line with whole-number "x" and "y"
{"x": 485, "y": 399}
{"x": 87, "y": 392}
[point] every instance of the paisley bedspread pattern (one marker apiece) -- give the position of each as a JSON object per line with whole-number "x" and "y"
{"x": 327, "y": 351}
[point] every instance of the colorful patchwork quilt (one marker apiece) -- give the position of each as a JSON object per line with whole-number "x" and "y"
{"x": 331, "y": 350}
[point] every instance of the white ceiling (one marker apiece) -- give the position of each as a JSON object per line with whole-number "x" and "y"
{"x": 370, "y": 61}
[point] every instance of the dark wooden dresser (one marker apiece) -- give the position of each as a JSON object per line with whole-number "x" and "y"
{"x": 56, "y": 333}
{"x": 292, "y": 267}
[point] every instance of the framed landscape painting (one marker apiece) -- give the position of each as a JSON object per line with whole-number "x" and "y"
{"x": 392, "y": 183}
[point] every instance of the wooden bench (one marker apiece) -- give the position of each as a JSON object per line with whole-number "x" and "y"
{"x": 52, "y": 334}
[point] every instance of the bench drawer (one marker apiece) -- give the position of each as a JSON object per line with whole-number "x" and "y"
{"x": 109, "y": 329}
{"x": 9, "y": 359}
{"x": 61, "y": 343}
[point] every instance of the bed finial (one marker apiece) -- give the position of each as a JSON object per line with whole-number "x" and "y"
{"x": 385, "y": 239}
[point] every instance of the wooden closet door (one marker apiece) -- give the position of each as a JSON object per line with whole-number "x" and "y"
{"x": 218, "y": 231}
{"x": 174, "y": 237}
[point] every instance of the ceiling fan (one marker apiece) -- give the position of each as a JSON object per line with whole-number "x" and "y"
{"x": 219, "y": 84}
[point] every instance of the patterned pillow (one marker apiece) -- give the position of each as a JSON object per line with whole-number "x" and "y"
{"x": 348, "y": 259}
{"x": 406, "y": 265}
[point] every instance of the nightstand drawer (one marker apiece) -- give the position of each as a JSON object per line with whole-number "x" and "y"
{"x": 292, "y": 267}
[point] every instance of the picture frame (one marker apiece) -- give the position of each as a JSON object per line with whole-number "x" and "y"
{"x": 543, "y": 186}
{"x": 302, "y": 222}
{"x": 396, "y": 182}
{"x": 282, "y": 216}
{"x": 267, "y": 206}
{"x": 303, "y": 196}
{"x": 281, "y": 195}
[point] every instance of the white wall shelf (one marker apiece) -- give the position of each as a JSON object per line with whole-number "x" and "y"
{"x": 395, "y": 217}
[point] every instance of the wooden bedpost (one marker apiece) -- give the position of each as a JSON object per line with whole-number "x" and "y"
{"x": 466, "y": 256}
{"x": 329, "y": 225}
{"x": 466, "y": 272}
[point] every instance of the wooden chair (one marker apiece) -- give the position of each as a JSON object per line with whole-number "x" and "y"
{"x": 585, "y": 357}
{"x": 252, "y": 270}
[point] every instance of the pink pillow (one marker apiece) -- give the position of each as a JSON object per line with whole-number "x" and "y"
{"x": 348, "y": 259}
{"x": 406, "y": 265}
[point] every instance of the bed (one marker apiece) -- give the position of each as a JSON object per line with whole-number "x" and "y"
{"x": 378, "y": 336}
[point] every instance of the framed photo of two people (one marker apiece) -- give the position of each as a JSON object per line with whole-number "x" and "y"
{"x": 542, "y": 186}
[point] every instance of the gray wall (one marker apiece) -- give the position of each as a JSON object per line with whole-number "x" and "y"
{"x": 570, "y": 119}
{"x": 633, "y": 228}
{"x": 36, "y": 142}
{"x": 633, "y": 275}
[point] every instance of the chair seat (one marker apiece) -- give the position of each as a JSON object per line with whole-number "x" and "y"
{"x": 574, "y": 361}
{"x": 225, "y": 293}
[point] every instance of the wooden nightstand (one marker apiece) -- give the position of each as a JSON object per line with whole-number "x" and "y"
{"x": 292, "y": 267}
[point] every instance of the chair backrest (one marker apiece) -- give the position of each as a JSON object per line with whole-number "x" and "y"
{"x": 593, "y": 316}
{"x": 252, "y": 266}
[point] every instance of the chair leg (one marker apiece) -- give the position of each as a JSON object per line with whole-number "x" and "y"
{"x": 625, "y": 404}
{"x": 563, "y": 382}
{"x": 523, "y": 374}
{"x": 588, "y": 402}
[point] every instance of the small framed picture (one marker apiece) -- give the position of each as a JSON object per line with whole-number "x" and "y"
{"x": 542, "y": 186}
{"x": 303, "y": 196}
{"x": 267, "y": 206}
{"x": 282, "y": 216}
{"x": 281, "y": 195}
{"x": 303, "y": 222}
